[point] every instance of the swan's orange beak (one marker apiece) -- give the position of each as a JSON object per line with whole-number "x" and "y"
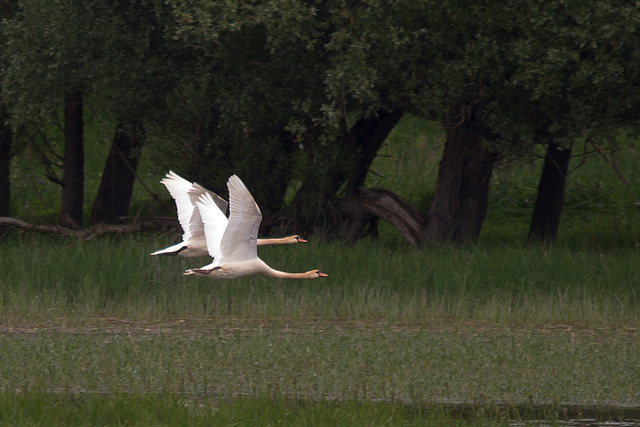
{"x": 300, "y": 239}
{"x": 321, "y": 274}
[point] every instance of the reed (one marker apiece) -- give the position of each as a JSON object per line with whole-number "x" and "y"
{"x": 115, "y": 277}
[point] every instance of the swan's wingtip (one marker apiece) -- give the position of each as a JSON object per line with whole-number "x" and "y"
{"x": 235, "y": 180}
{"x": 171, "y": 175}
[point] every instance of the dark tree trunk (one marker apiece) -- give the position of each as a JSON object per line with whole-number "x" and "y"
{"x": 460, "y": 199}
{"x": 73, "y": 159}
{"x": 5, "y": 158}
{"x": 312, "y": 210}
{"x": 546, "y": 213}
{"x": 118, "y": 177}
{"x": 365, "y": 140}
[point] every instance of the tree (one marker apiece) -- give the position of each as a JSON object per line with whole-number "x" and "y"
{"x": 5, "y": 158}
{"x": 116, "y": 187}
{"x": 73, "y": 160}
{"x": 131, "y": 90}
{"x": 460, "y": 200}
{"x": 546, "y": 213}
{"x": 578, "y": 75}
{"x": 6, "y": 134}
{"x": 106, "y": 52}
{"x": 433, "y": 60}
{"x": 340, "y": 122}
{"x": 496, "y": 84}
{"x": 49, "y": 51}
{"x": 339, "y": 75}
{"x": 386, "y": 59}
{"x": 297, "y": 97}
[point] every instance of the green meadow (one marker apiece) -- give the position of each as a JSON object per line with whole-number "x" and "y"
{"x": 100, "y": 333}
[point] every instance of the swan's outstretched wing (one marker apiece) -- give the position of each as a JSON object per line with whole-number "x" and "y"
{"x": 179, "y": 189}
{"x": 239, "y": 242}
{"x": 215, "y": 223}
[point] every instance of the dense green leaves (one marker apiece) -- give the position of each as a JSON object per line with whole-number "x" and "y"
{"x": 577, "y": 64}
{"x": 277, "y": 89}
{"x": 291, "y": 65}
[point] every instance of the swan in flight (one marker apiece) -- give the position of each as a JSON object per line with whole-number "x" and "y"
{"x": 194, "y": 244}
{"x": 233, "y": 243}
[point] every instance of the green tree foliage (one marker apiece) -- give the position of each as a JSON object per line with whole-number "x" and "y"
{"x": 300, "y": 95}
{"x": 106, "y": 53}
{"x": 283, "y": 67}
{"x": 577, "y": 67}
{"x": 52, "y": 52}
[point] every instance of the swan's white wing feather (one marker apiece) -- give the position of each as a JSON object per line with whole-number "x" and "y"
{"x": 220, "y": 202}
{"x": 215, "y": 223}
{"x": 196, "y": 225}
{"x": 239, "y": 242}
{"x": 179, "y": 189}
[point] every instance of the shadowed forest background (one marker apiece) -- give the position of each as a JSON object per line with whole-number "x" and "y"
{"x": 100, "y": 100}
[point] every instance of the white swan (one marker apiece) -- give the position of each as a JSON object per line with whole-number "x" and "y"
{"x": 233, "y": 243}
{"x": 194, "y": 243}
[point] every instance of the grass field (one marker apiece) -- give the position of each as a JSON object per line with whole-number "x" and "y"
{"x": 100, "y": 333}
{"x": 477, "y": 334}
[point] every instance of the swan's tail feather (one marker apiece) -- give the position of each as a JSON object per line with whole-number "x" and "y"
{"x": 170, "y": 251}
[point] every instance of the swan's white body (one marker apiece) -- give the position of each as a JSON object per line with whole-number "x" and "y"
{"x": 194, "y": 243}
{"x": 233, "y": 243}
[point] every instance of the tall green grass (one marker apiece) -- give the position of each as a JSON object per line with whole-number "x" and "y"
{"x": 43, "y": 278}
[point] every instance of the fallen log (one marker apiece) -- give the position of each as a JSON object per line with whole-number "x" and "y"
{"x": 159, "y": 223}
{"x": 389, "y": 206}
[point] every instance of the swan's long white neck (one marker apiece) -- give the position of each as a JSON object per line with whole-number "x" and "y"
{"x": 272, "y": 272}
{"x": 277, "y": 241}
{"x": 285, "y": 275}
